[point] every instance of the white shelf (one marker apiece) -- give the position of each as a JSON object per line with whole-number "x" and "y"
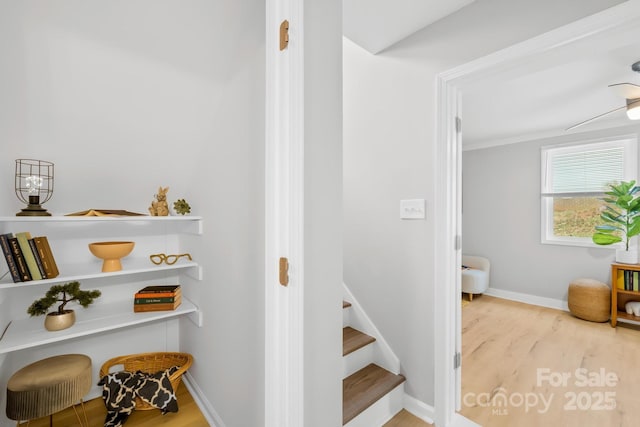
{"x": 193, "y": 222}
{"x": 60, "y": 218}
{"x": 72, "y": 232}
{"x": 30, "y": 332}
{"x": 71, "y": 272}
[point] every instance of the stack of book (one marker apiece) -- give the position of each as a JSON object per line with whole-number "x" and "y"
{"x": 28, "y": 258}
{"x": 157, "y": 298}
{"x": 628, "y": 280}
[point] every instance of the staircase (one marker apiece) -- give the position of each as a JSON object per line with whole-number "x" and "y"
{"x": 371, "y": 394}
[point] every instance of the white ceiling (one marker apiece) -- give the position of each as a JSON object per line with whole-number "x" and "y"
{"x": 558, "y": 92}
{"x": 538, "y": 98}
{"x": 377, "y": 24}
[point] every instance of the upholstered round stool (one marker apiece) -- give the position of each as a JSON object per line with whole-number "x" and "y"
{"x": 48, "y": 386}
{"x": 590, "y": 299}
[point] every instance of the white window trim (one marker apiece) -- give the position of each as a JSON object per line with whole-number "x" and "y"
{"x": 546, "y": 211}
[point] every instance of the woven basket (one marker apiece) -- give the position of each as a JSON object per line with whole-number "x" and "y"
{"x": 151, "y": 363}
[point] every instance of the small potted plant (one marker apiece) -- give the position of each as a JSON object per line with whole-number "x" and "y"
{"x": 62, "y": 318}
{"x": 622, "y": 220}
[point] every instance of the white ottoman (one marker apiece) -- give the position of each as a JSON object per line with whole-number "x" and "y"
{"x": 475, "y": 279}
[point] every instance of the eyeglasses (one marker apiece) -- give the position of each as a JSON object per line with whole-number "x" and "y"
{"x": 158, "y": 259}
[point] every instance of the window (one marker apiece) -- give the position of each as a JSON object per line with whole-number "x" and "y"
{"x": 574, "y": 179}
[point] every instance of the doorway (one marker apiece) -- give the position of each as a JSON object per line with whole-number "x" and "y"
{"x": 565, "y": 41}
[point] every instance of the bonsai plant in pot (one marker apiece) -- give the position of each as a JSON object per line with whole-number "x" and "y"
{"x": 622, "y": 220}
{"x": 62, "y": 317}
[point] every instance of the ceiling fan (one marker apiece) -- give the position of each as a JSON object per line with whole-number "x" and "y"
{"x": 629, "y": 91}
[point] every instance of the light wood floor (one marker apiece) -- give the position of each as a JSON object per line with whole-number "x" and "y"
{"x": 405, "y": 418}
{"x": 506, "y": 347}
{"x": 188, "y": 415}
{"x": 517, "y": 350}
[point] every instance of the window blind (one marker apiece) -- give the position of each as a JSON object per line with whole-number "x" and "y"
{"x": 586, "y": 170}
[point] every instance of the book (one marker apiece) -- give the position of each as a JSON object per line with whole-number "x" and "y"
{"x": 620, "y": 281}
{"x": 46, "y": 255}
{"x": 9, "y": 258}
{"x": 137, "y": 308}
{"x": 159, "y": 289}
{"x": 34, "y": 249}
{"x": 23, "y": 240}
{"x": 626, "y": 280}
{"x": 25, "y": 276}
{"x": 105, "y": 212}
{"x": 161, "y": 300}
{"x": 157, "y": 294}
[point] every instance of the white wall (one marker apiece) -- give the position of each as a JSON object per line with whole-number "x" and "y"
{"x": 124, "y": 96}
{"x": 389, "y": 130}
{"x": 322, "y": 213}
{"x": 501, "y": 220}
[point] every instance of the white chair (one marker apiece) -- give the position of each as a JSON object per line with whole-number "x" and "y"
{"x": 475, "y": 279}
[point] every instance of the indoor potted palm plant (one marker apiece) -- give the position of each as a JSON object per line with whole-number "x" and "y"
{"x": 62, "y": 317}
{"x": 622, "y": 220}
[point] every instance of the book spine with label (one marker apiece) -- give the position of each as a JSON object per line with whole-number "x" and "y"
{"x": 44, "y": 250}
{"x": 20, "y": 261}
{"x": 23, "y": 240}
{"x": 166, "y": 300}
{"x": 34, "y": 249}
{"x": 8, "y": 256}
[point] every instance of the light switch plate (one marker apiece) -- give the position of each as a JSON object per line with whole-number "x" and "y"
{"x": 413, "y": 209}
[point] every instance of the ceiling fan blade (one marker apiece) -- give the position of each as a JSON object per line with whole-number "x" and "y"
{"x": 596, "y": 117}
{"x": 626, "y": 90}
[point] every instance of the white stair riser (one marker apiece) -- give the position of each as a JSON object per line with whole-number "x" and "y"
{"x": 346, "y": 317}
{"x": 359, "y": 320}
{"x": 381, "y": 411}
{"x": 357, "y": 360}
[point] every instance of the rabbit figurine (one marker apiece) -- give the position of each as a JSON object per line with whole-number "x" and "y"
{"x": 159, "y": 207}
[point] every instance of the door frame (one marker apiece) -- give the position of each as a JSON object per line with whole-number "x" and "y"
{"x": 450, "y": 85}
{"x": 284, "y": 217}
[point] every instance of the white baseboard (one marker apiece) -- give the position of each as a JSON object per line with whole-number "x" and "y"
{"x": 205, "y": 406}
{"x": 528, "y": 299}
{"x": 460, "y": 421}
{"x": 426, "y": 413}
{"x": 419, "y": 409}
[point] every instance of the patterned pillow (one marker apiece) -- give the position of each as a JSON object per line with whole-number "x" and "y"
{"x": 157, "y": 391}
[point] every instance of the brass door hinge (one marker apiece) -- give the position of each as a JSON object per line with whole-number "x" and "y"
{"x": 284, "y": 34}
{"x": 284, "y": 271}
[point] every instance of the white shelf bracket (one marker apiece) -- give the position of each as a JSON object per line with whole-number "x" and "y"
{"x": 196, "y": 227}
{"x": 195, "y": 272}
{"x": 196, "y": 317}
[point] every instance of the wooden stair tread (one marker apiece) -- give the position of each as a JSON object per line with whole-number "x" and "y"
{"x": 346, "y": 304}
{"x": 363, "y": 388}
{"x": 353, "y": 339}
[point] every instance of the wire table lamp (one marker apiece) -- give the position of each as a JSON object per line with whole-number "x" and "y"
{"x": 34, "y": 185}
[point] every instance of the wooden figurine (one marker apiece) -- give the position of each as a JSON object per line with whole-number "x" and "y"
{"x": 159, "y": 207}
